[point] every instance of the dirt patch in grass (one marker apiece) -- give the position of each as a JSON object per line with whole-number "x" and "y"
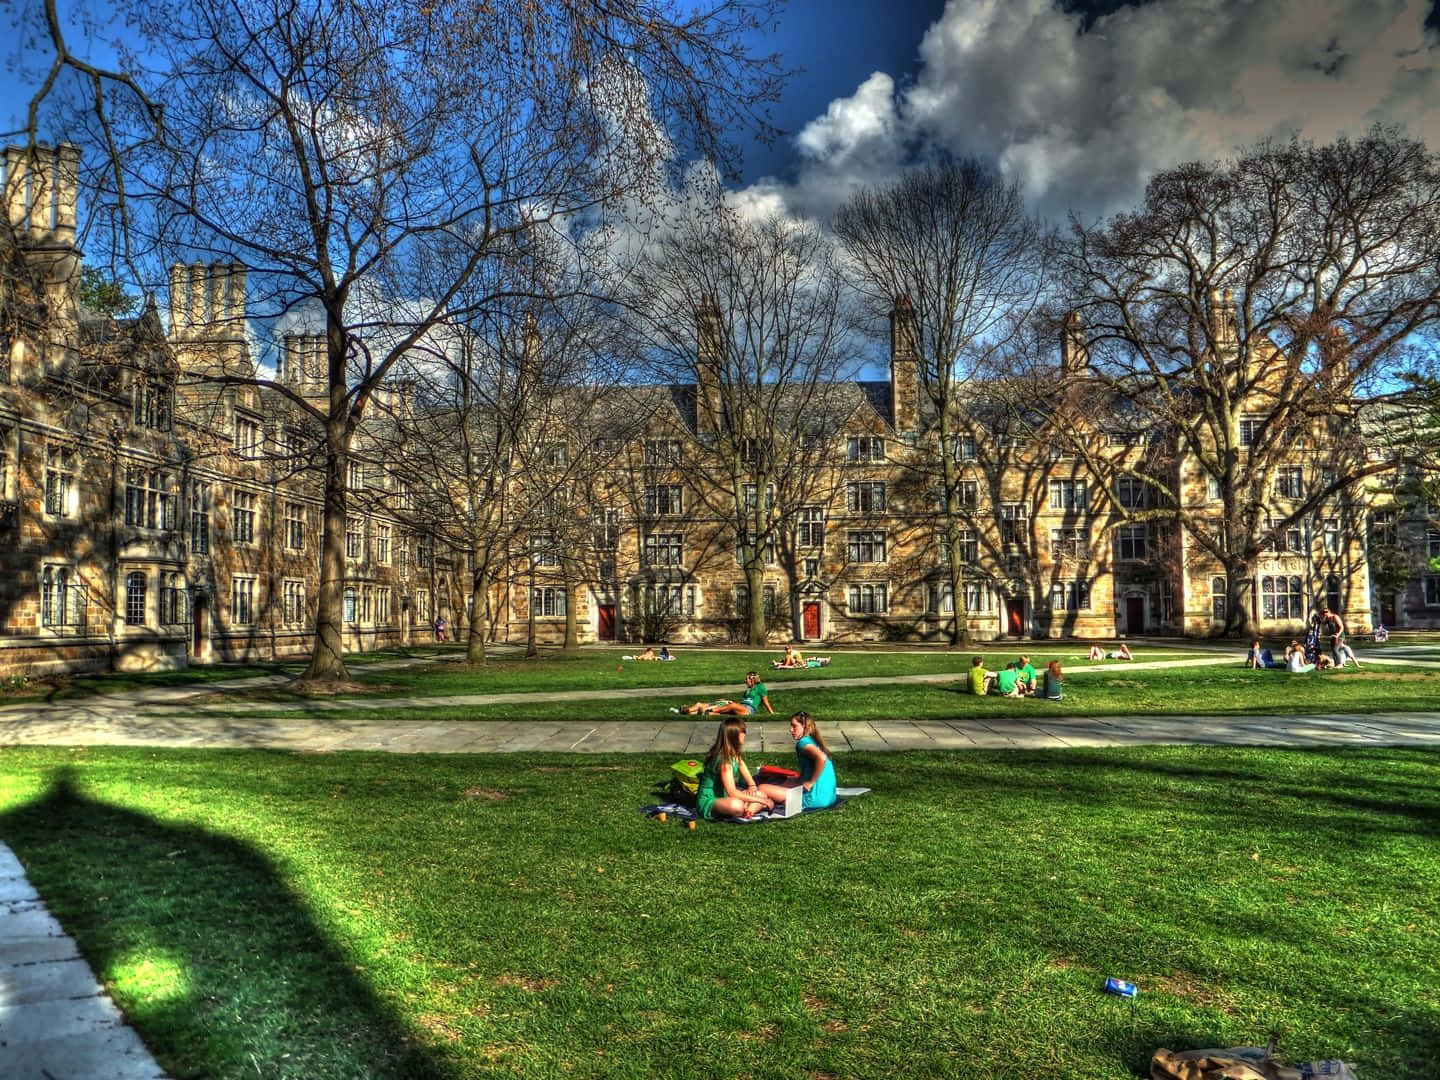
{"x": 1190, "y": 988}
{"x": 438, "y": 1025}
{"x": 525, "y": 982}
{"x": 489, "y": 794}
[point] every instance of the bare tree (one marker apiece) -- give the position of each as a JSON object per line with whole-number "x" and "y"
{"x": 1243, "y": 311}
{"x": 752, "y": 312}
{"x": 951, "y": 254}
{"x": 366, "y": 161}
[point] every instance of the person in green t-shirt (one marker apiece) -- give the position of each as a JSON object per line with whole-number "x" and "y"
{"x": 749, "y": 704}
{"x": 1028, "y": 675}
{"x": 720, "y": 792}
{"x": 980, "y": 679}
{"x": 1007, "y": 681}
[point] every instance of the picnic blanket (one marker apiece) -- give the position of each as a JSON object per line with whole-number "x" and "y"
{"x": 680, "y": 812}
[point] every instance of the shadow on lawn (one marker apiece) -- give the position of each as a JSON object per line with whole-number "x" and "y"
{"x": 218, "y": 965}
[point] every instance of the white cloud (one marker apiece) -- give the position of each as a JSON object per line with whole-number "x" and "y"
{"x": 1083, "y": 119}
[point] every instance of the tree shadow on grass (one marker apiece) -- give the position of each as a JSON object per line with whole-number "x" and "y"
{"x": 217, "y": 963}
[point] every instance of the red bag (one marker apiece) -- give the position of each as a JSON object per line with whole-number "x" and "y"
{"x": 776, "y": 774}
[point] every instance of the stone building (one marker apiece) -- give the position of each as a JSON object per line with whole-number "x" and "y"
{"x": 155, "y": 510}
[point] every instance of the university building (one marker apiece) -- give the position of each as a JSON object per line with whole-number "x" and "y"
{"x": 155, "y": 511}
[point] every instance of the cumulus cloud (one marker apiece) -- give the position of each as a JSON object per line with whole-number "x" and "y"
{"x": 1082, "y": 119}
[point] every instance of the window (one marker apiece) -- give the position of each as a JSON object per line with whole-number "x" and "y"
{"x": 751, "y": 450}
{"x": 747, "y": 493}
{"x": 941, "y": 599}
{"x": 1431, "y": 586}
{"x": 1330, "y": 530}
{"x": 555, "y": 455}
{"x": 864, "y": 448}
{"x": 350, "y": 611}
{"x": 978, "y": 597}
{"x": 743, "y": 546}
{"x": 402, "y": 553}
{"x": 1217, "y": 599}
{"x": 382, "y": 605}
{"x": 1070, "y": 596}
{"x": 199, "y": 517}
{"x": 294, "y": 443}
{"x": 172, "y": 599}
{"x": 661, "y": 452}
{"x": 964, "y": 447}
{"x": 1333, "y": 599}
{"x": 812, "y": 527}
{"x": 1249, "y": 431}
{"x": 1014, "y": 524}
{"x": 662, "y": 549}
{"x": 242, "y": 600}
{"x": 544, "y": 551}
{"x": 367, "y": 598}
{"x": 293, "y": 607}
{"x": 425, "y": 553}
{"x": 1289, "y": 538}
{"x": 607, "y": 528}
{"x": 967, "y": 494}
{"x": 355, "y": 475}
{"x": 1167, "y": 602}
{"x": 1122, "y": 438}
{"x": 867, "y": 600}
{"x": 1281, "y": 597}
{"x": 382, "y": 543}
{"x": 1384, "y": 528}
{"x": 812, "y": 568}
{"x": 247, "y": 436}
{"x": 663, "y": 499}
{"x": 151, "y": 406}
{"x": 813, "y": 438}
{"x": 354, "y": 540}
{"x": 1070, "y": 543}
{"x": 422, "y": 606}
{"x": 62, "y": 598}
{"x": 59, "y": 481}
{"x": 1068, "y": 495}
{"x": 1432, "y": 543}
{"x": 135, "y": 586}
{"x": 673, "y": 600}
{"x": 148, "y": 502}
{"x": 969, "y": 541}
{"x": 1132, "y": 493}
{"x": 866, "y": 497}
{"x": 294, "y": 526}
{"x": 865, "y": 547}
{"x": 1290, "y": 482}
{"x": 1212, "y": 488}
{"x": 1131, "y": 542}
{"x": 243, "y": 516}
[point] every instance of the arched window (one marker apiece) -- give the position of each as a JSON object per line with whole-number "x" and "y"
{"x": 1281, "y": 598}
{"x": 135, "y": 599}
{"x": 1217, "y": 599}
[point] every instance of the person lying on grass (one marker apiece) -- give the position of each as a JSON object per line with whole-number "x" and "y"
{"x": 749, "y": 704}
{"x": 1122, "y": 652}
{"x": 817, "y": 769}
{"x": 719, "y": 793}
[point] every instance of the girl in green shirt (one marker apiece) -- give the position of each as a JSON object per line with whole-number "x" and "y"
{"x": 720, "y": 793}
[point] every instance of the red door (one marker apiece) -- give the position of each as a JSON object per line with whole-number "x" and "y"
{"x": 1134, "y": 614}
{"x": 1015, "y": 616}
{"x": 607, "y": 622}
{"x": 810, "y": 621}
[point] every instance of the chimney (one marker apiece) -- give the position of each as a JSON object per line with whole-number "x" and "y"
{"x": 41, "y": 186}
{"x": 1074, "y": 355}
{"x": 1222, "y": 318}
{"x": 710, "y": 355}
{"x": 904, "y": 366}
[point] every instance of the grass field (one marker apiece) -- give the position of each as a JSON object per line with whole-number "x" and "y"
{"x": 268, "y": 914}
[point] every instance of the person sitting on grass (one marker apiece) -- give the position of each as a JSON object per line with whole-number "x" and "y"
{"x": 980, "y": 679}
{"x": 749, "y": 704}
{"x": 792, "y": 659}
{"x": 817, "y": 768}
{"x": 1253, "y": 660}
{"x": 1007, "y": 681}
{"x": 719, "y": 793}
{"x": 665, "y": 653}
{"x": 1054, "y": 682}
{"x": 1295, "y": 659}
{"x": 647, "y": 653}
{"x": 1029, "y": 683}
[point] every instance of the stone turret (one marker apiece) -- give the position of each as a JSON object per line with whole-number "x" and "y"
{"x": 40, "y": 186}
{"x": 709, "y": 357}
{"x": 1221, "y": 313}
{"x": 1074, "y": 354}
{"x": 302, "y": 364}
{"x": 904, "y": 366}
{"x": 207, "y": 301}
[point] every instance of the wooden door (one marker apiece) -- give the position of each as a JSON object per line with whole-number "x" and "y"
{"x": 197, "y": 633}
{"x": 810, "y": 620}
{"x": 607, "y": 622}
{"x": 1134, "y": 614}
{"x": 1015, "y": 616}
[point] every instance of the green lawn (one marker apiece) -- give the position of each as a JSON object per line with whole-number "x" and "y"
{"x": 267, "y": 914}
{"x": 1111, "y": 690}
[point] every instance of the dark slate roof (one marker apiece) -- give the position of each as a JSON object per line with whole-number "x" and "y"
{"x": 878, "y": 394}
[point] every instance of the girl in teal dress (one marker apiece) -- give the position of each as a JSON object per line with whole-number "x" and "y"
{"x": 720, "y": 793}
{"x": 817, "y": 770}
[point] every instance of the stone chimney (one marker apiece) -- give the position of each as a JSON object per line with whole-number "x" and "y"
{"x": 710, "y": 355}
{"x": 1074, "y": 355}
{"x": 39, "y": 185}
{"x": 302, "y": 363}
{"x": 1221, "y": 312}
{"x": 41, "y": 190}
{"x": 207, "y": 301}
{"x": 904, "y": 366}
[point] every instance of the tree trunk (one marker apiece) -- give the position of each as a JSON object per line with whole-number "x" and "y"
{"x": 532, "y": 647}
{"x": 475, "y": 643}
{"x": 960, "y": 628}
{"x": 1238, "y": 598}
{"x": 572, "y": 626}
{"x": 755, "y": 582}
{"x": 327, "y": 655}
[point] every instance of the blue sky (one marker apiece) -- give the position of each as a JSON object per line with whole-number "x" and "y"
{"x": 1079, "y": 100}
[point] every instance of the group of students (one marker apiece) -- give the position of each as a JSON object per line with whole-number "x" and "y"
{"x": 1018, "y": 679}
{"x": 1300, "y": 659}
{"x": 794, "y": 659}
